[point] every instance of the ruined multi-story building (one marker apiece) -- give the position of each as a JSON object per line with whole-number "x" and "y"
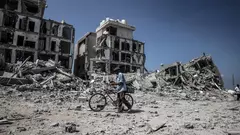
{"x": 111, "y": 45}
{"x": 24, "y": 32}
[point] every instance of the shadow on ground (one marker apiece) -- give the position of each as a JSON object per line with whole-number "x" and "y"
{"x": 136, "y": 111}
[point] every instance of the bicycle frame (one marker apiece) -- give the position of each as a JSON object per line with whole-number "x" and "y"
{"x": 107, "y": 93}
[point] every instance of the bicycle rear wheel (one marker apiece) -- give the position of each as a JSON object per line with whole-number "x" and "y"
{"x": 97, "y": 102}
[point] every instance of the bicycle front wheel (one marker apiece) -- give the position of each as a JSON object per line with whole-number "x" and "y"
{"x": 129, "y": 98}
{"x": 97, "y": 102}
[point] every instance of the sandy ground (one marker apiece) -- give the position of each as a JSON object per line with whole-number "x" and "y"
{"x": 46, "y": 113}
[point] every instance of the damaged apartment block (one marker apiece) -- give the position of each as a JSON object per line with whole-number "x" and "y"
{"x": 24, "y": 32}
{"x": 189, "y": 74}
{"x": 111, "y": 45}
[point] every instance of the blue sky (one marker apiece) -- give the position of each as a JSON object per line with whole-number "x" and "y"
{"x": 173, "y": 30}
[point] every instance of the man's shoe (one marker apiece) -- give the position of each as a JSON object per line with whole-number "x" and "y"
{"x": 129, "y": 110}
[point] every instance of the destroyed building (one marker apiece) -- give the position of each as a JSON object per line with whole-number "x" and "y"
{"x": 24, "y": 32}
{"x": 198, "y": 74}
{"x": 111, "y": 45}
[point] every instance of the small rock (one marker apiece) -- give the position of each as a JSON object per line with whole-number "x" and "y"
{"x": 78, "y": 108}
{"x": 196, "y": 110}
{"x": 37, "y": 101}
{"x": 82, "y": 99}
{"x": 70, "y": 128}
{"x": 142, "y": 125}
{"x": 44, "y": 86}
{"x": 19, "y": 95}
{"x": 52, "y": 96}
{"x": 194, "y": 99}
{"x": 155, "y": 107}
{"x": 54, "y": 124}
{"x": 184, "y": 95}
{"x": 198, "y": 119}
{"x": 108, "y": 114}
{"x": 59, "y": 103}
{"x": 188, "y": 125}
{"x": 213, "y": 98}
{"x": 21, "y": 129}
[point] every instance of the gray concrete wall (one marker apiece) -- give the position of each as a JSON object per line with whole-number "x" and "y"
{"x": 124, "y": 33}
{"x": 1, "y": 18}
{"x": 91, "y": 42}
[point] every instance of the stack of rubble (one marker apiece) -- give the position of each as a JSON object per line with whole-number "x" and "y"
{"x": 198, "y": 77}
{"x": 41, "y": 75}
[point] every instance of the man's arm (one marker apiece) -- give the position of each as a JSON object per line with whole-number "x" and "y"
{"x": 120, "y": 80}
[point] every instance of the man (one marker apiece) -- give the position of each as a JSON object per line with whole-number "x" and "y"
{"x": 121, "y": 88}
{"x": 237, "y": 89}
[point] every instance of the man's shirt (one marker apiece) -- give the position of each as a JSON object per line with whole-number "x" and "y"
{"x": 237, "y": 89}
{"x": 123, "y": 86}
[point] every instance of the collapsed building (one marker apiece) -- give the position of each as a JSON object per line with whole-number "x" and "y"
{"x": 111, "y": 45}
{"x": 24, "y": 32}
{"x": 197, "y": 76}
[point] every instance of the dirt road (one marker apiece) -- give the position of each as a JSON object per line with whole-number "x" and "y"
{"x": 49, "y": 113}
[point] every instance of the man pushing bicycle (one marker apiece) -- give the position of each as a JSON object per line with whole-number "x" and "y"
{"x": 122, "y": 89}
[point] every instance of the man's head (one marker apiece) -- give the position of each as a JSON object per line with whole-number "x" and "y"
{"x": 116, "y": 70}
{"x": 238, "y": 85}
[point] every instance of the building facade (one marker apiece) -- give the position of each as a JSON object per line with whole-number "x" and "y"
{"x": 24, "y": 32}
{"x": 83, "y": 52}
{"x": 114, "y": 46}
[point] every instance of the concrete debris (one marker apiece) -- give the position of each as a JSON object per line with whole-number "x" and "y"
{"x": 54, "y": 125}
{"x": 234, "y": 132}
{"x": 41, "y": 75}
{"x": 156, "y": 124}
{"x": 21, "y": 129}
{"x": 198, "y": 79}
{"x": 70, "y": 128}
{"x": 4, "y": 122}
{"x": 188, "y": 125}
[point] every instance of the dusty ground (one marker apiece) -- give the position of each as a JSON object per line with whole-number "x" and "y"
{"x": 46, "y": 113}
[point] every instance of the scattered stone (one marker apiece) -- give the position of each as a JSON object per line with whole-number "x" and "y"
{"x": 141, "y": 125}
{"x": 54, "y": 125}
{"x": 155, "y": 124}
{"x": 37, "y": 101}
{"x": 5, "y": 122}
{"x": 233, "y": 132}
{"x": 184, "y": 95}
{"x": 21, "y": 129}
{"x": 188, "y": 125}
{"x": 59, "y": 103}
{"x": 52, "y": 96}
{"x": 70, "y": 128}
{"x": 82, "y": 99}
{"x": 198, "y": 119}
{"x": 78, "y": 108}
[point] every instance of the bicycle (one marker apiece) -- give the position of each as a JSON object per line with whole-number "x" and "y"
{"x": 102, "y": 100}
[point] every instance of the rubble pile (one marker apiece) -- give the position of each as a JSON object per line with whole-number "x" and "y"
{"x": 41, "y": 75}
{"x": 198, "y": 79}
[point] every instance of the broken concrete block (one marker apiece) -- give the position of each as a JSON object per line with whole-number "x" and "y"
{"x": 21, "y": 129}
{"x": 82, "y": 99}
{"x": 70, "y": 128}
{"x": 54, "y": 124}
{"x": 188, "y": 125}
{"x": 234, "y": 132}
{"x": 155, "y": 124}
{"x": 78, "y": 108}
